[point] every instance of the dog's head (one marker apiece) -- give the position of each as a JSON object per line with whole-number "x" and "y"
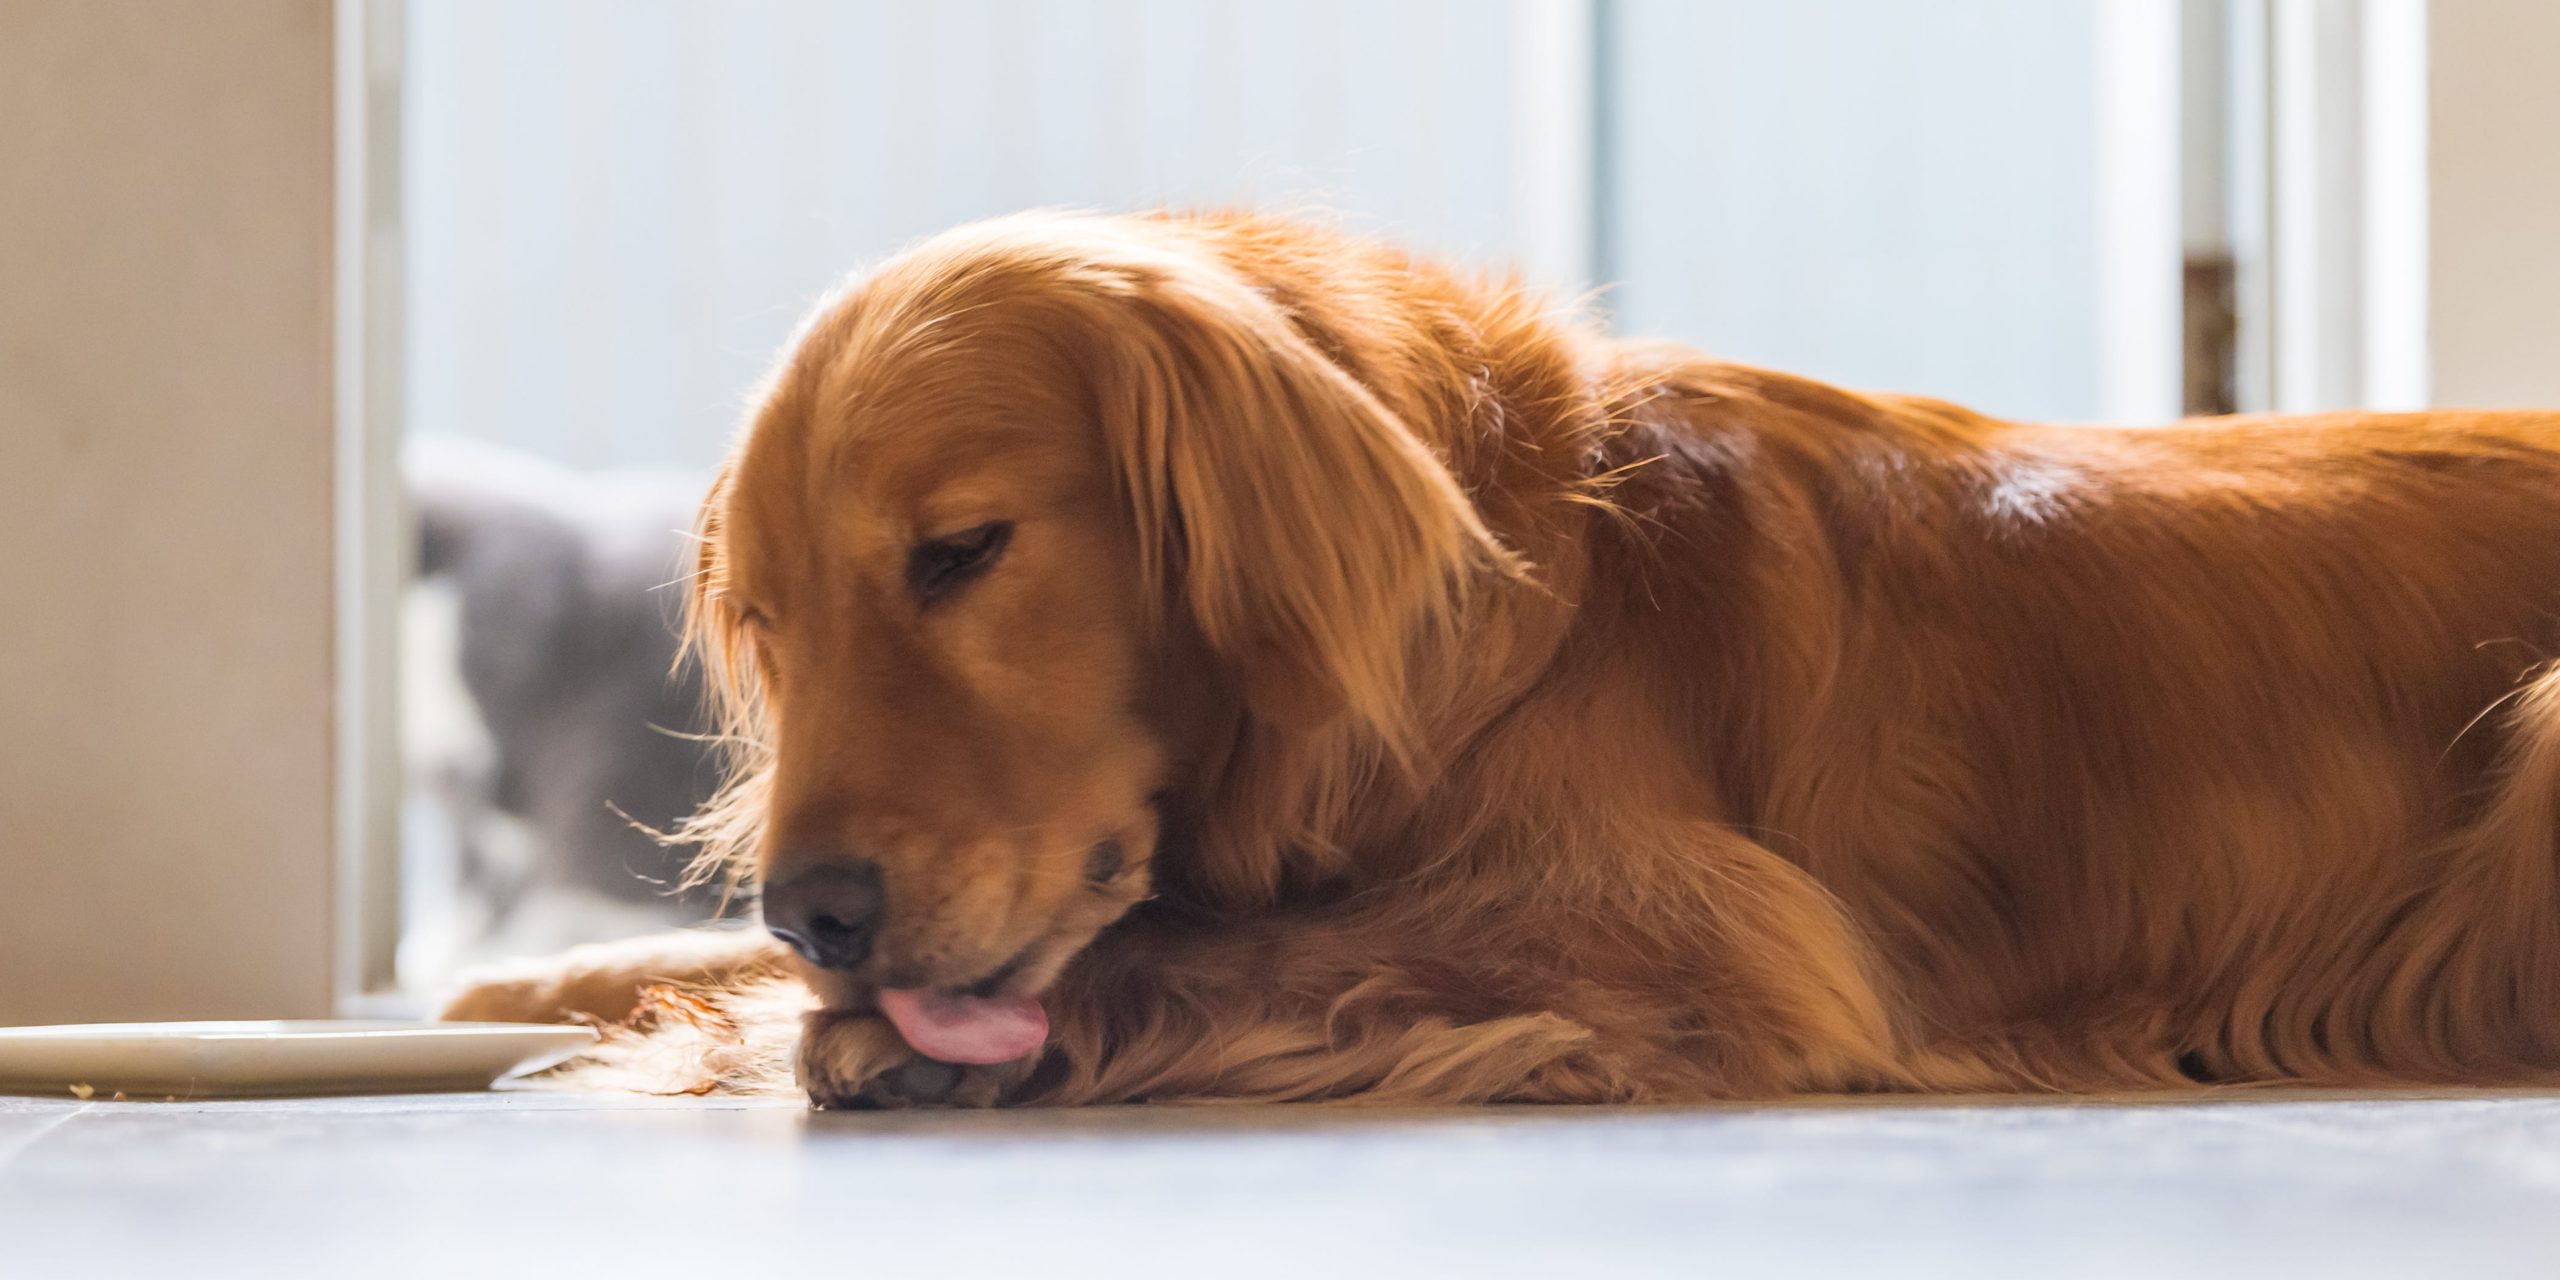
{"x": 1033, "y": 526}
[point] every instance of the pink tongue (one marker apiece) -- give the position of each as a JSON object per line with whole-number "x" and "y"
{"x": 977, "y": 1030}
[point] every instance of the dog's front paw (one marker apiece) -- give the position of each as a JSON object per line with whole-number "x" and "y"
{"x": 858, "y": 1062}
{"x": 525, "y": 995}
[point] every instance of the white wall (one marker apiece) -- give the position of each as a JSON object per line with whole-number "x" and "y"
{"x": 165, "y": 457}
{"x": 1889, "y": 194}
{"x": 618, "y": 208}
{"x": 2492, "y": 233}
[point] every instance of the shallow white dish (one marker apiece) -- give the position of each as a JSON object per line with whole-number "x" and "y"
{"x": 156, "y": 1060}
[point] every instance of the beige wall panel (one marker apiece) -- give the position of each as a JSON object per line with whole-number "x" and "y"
{"x": 165, "y": 515}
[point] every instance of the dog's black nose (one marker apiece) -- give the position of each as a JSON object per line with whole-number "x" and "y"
{"x": 826, "y": 913}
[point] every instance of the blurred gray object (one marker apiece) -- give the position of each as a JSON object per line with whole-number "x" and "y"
{"x": 545, "y": 715}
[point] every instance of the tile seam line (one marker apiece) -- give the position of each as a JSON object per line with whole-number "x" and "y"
{"x": 13, "y": 1149}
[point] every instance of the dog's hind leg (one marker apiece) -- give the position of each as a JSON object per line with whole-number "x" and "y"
{"x": 2466, "y": 986}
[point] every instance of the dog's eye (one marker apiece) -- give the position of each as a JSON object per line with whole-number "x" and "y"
{"x": 1105, "y": 861}
{"x": 935, "y": 568}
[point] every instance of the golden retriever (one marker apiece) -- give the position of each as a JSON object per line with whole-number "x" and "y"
{"x": 1219, "y": 658}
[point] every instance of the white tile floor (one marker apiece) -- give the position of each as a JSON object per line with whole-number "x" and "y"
{"x": 548, "y": 1184}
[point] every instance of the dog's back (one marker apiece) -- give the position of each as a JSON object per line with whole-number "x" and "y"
{"x": 2224, "y": 735}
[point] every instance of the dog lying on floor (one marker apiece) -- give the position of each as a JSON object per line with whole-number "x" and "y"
{"x": 1187, "y": 658}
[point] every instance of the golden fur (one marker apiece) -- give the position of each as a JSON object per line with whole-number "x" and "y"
{"x": 1494, "y": 711}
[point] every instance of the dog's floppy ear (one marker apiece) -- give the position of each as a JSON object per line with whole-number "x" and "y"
{"x": 709, "y": 629}
{"x": 728, "y": 826}
{"x": 1309, "y": 532}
